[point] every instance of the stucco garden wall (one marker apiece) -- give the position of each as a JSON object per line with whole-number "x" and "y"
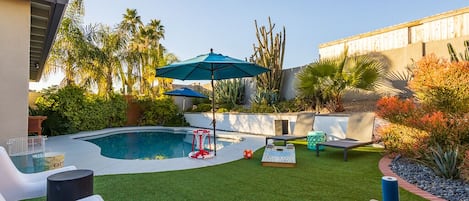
{"x": 263, "y": 124}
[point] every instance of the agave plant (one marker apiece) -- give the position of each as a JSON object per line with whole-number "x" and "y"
{"x": 444, "y": 162}
{"x": 265, "y": 97}
{"x": 230, "y": 92}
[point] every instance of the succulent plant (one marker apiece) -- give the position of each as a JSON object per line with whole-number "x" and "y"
{"x": 444, "y": 161}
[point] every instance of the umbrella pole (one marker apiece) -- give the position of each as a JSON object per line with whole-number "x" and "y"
{"x": 213, "y": 115}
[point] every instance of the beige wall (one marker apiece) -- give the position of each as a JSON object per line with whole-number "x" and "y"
{"x": 398, "y": 59}
{"x": 14, "y": 68}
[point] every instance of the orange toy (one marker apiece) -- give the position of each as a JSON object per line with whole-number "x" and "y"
{"x": 247, "y": 154}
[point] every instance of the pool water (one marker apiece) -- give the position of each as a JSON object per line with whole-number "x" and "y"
{"x": 148, "y": 145}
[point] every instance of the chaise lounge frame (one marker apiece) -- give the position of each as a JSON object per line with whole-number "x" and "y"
{"x": 359, "y": 133}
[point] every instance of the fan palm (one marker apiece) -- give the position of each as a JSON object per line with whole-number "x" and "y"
{"x": 326, "y": 80}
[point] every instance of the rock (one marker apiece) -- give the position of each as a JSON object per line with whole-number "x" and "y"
{"x": 424, "y": 177}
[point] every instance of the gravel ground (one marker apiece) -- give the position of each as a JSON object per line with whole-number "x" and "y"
{"x": 422, "y": 176}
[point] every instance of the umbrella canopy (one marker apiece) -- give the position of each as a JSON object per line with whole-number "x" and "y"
{"x": 203, "y": 67}
{"x": 185, "y": 92}
{"x": 211, "y": 66}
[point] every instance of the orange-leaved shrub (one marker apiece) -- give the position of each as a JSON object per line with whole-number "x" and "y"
{"x": 440, "y": 84}
{"x": 436, "y": 124}
{"x": 395, "y": 110}
{"x": 439, "y": 116}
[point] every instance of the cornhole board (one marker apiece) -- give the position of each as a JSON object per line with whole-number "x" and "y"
{"x": 279, "y": 156}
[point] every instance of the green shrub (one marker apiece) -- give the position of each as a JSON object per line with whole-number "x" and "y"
{"x": 240, "y": 108}
{"x": 203, "y": 107}
{"x": 117, "y": 109}
{"x": 262, "y": 108}
{"x": 177, "y": 120}
{"x": 221, "y": 110}
{"x": 293, "y": 105}
{"x": 160, "y": 111}
{"x": 196, "y": 101}
{"x": 71, "y": 109}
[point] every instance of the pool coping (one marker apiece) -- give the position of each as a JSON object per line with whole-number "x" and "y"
{"x": 86, "y": 155}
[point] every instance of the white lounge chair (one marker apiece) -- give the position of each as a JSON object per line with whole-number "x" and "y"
{"x": 15, "y": 185}
{"x": 360, "y": 128}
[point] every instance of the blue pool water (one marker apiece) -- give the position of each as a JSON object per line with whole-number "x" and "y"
{"x": 148, "y": 145}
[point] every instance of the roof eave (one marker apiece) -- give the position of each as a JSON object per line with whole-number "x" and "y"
{"x": 55, "y": 14}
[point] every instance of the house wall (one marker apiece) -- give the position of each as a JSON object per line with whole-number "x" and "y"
{"x": 14, "y": 68}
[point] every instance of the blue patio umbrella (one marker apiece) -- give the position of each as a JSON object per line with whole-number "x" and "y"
{"x": 185, "y": 92}
{"x": 210, "y": 66}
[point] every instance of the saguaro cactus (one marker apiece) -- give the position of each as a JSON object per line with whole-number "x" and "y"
{"x": 454, "y": 57}
{"x": 269, "y": 53}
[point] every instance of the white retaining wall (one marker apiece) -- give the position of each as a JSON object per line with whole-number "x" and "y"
{"x": 263, "y": 124}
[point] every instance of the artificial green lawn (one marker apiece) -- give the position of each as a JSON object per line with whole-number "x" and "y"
{"x": 326, "y": 177}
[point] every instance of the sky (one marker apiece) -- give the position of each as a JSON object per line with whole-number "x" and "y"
{"x": 227, "y": 26}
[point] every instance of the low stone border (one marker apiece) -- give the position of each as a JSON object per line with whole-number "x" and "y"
{"x": 386, "y": 170}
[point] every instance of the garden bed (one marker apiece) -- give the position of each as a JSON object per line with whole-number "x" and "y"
{"x": 424, "y": 178}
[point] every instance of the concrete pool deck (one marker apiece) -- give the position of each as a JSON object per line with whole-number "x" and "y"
{"x": 86, "y": 155}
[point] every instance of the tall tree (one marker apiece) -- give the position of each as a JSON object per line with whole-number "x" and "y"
{"x": 70, "y": 46}
{"x": 107, "y": 52}
{"x": 129, "y": 28}
{"x": 151, "y": 53}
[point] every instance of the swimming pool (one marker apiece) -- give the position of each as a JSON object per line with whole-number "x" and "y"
{"x": 150, "y": 145}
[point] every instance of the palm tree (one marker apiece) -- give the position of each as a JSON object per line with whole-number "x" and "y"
{"x": 151, "y": 53}
{"x": 107, "y": 48}
{"x": 165, "y": 58}
{"x": 129, "y": 28}
{"x": 326, "y": 80}
{"x": 70, "y": 46}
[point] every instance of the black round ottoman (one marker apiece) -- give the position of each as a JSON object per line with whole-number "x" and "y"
{"x": 70, "y": 185}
